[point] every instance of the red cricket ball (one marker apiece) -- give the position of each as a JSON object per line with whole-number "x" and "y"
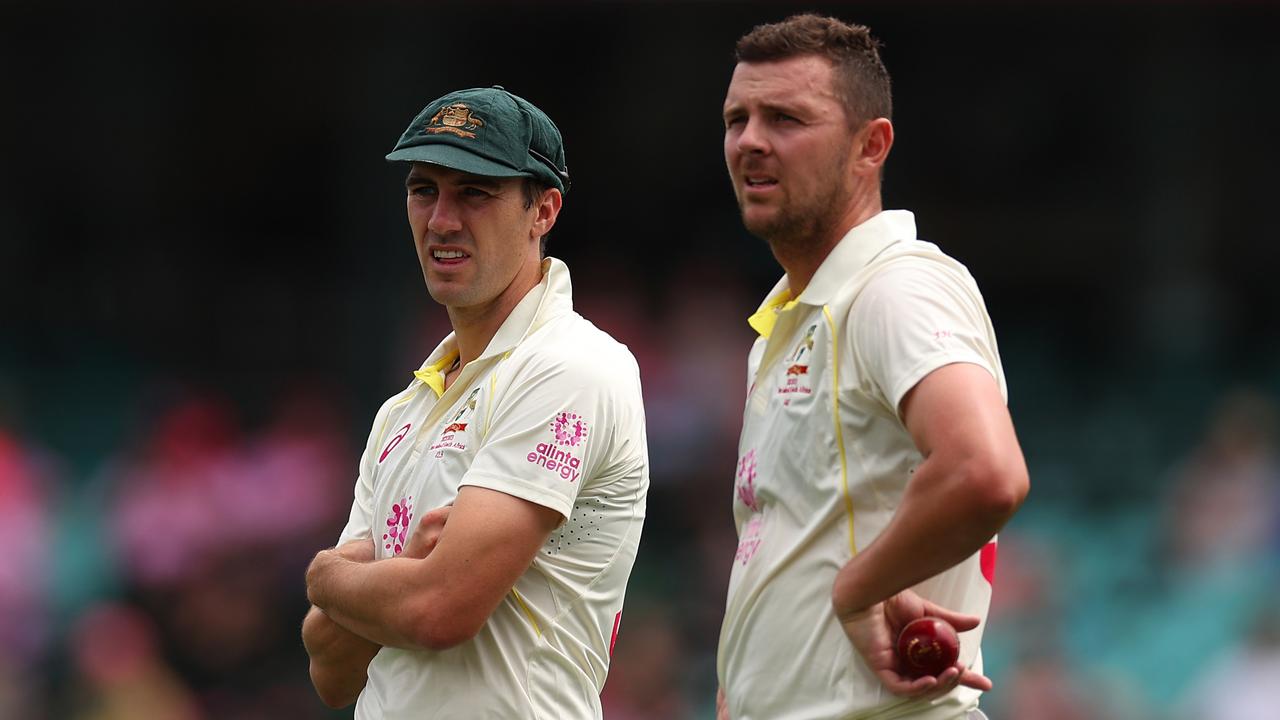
{"x": 928, "y": 646}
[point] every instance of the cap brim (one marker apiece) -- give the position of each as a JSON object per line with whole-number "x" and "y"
{"x": 455, "y": 158}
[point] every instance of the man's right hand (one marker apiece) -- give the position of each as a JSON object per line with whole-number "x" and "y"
{"x": 356, "y": 551}
{"x": 339, "y": 658}
{"x": 874, "y": 632}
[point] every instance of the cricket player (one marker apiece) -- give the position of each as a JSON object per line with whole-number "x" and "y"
{"x": 877, "y": 459}
{"x": 500, "y": 498}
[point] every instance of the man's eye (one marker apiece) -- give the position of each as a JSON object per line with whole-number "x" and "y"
{"x": 422, "y": 190}
{"x": 474, "y": 192}
{"x": 783, "y": 117}
{"x": 735, "y": 120}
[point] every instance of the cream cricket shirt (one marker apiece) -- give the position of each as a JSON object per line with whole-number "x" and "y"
{"x": 551, "y": 413}
{"x": 823, "y": 462}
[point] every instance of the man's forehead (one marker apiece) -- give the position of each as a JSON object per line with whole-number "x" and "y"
{"x": 794, "y": 80}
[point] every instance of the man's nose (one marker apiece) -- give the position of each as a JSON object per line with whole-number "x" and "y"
{"x": 753, "y": 139}
{"x": 445, "y": 219}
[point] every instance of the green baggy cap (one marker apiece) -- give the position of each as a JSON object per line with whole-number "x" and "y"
{"x": 486, "y": 131}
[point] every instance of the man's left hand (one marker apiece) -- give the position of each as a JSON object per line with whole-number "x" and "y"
{"x": 427, "y": 533}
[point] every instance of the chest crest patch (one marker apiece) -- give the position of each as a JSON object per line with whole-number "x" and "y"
{"x": 453, "y": 436}
{"x": 796, "y": 379}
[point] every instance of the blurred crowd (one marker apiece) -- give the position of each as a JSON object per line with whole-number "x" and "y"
{"x": 165, "y": 582}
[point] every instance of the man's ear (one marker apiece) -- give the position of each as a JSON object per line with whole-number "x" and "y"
{"x": 871, "y": 146}
{"x": 547, "y": 207}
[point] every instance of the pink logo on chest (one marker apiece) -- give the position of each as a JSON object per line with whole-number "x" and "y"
{"x": 746, "y": 484}
{"x": 398, "y": 525}
{"x": 749, "y": 543}
{"x": 391, "y": 445}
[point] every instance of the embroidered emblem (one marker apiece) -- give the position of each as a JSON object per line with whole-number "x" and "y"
{"x": 467, "y": 407}
{"x": 398, "y": 525}
{"x": 450, "y": 439}
{"x": 805, "y": 345}
{"x": 456, "y": 119}
{"x": 797, "y": 377}
{"x": 569, "y": 429}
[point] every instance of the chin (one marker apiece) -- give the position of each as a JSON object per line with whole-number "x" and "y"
{"x": 443, "y": 293}
{"x": 760, "y": 222}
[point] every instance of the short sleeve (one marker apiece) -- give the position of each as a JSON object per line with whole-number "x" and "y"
{"x": 552, "y": 431}
{"x": 360, "y": 521}
{"x": 915, "y": 317}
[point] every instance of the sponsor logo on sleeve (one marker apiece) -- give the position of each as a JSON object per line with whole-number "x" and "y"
{"x": 568, "y": 430}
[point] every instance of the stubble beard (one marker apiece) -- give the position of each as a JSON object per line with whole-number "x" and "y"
{"x": 799, "y": 227}
{"x": 801, "y": 224}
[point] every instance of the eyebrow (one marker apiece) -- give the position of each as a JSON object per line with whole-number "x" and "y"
{"x": 789, "y": 108}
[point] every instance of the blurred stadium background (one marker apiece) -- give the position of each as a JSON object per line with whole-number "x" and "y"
{"x": 207, "y": 288}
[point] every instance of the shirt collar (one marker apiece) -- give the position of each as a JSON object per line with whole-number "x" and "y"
{"x": 855, "y": 251}
{"x": 550, "y": 298}
{"x": 432, "y": 373}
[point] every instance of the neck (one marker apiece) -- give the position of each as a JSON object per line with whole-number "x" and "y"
{"x": 475, "y": 326}
{"x": 801, "y": 257}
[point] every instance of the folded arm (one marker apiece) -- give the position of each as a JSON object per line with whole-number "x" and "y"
{"x": 442, "y": 600}
{"x": 339, "y": 658}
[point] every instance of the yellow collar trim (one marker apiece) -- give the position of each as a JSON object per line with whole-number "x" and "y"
{"x": 433, "y": 375}
{"x": 767, "y": 316}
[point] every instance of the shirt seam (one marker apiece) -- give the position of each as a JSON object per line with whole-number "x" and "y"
{"x": 928, "y": 364}
{"x": 502, "y": 483}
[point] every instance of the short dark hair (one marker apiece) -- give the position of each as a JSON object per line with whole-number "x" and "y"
{"x": 861, "y": 79}
{"x": 533, "y": 189}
